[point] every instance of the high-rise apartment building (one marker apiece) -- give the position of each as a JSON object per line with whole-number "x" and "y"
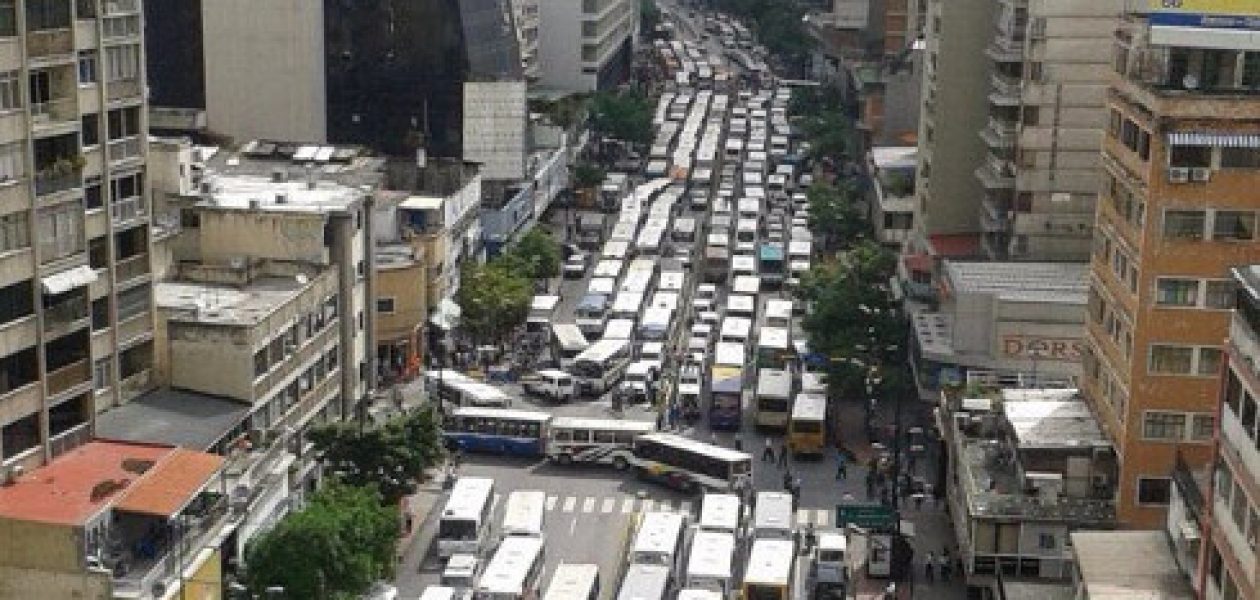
{"x": 526, "y": 14}
{"x": 76, "y": 319}
{"x": 1049, "y": 73}
{"x": 586, "y": 45}
{"x": 1177, "y": 208}
{"x": 949, "y": 151}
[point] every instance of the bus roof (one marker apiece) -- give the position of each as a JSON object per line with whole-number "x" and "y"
{"x": 741, "y": 303}
{"x": 683, "y": 443}
{"x": 545, "y": 303}
{"x": 711, "y": 554}
{"x": 602, "y": 285}
{"x": 468, "y": 496}
{"x": 694, "y": 594}
{"x": 772, "y": 337}
{"x": 602, "y": 424}
{"x": 438, "y": 592}
{"x": 726, "y": 380}
{"x": 510, "y": 565}
{"x": 603, "y": 349}
{"x": 524, "y": 415}
{"x": 775, "y": 383}
{"x": 572, "y": 581}
{"x": 729, "y": 354}
{"x": 743, "y": 262}
{"x": 644, "y": 582}
{"x": 809, "y": 407}
{"x": 815, "y": 383}
{"x": 523, "y": 512}
{"x": 770, "y": 562}
{"x": 770, "y": 252}
{"x": 746, "y": 284}
{"x": 778, "y": 308}
{"x": 736, "y": 327}
{"x": 773, "y": 510}
{"x": 719, "y": 512}
{"x": 593, "y": 302}
{"x": 658, "y": 533}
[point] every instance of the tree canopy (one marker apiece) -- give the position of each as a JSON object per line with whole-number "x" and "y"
{"x": 587, "y": 175}
{"x": 624, "y": 115}
{"x": 494, "y": 297}
{"x": 391, "y": 458}
{"x": 539, "y": 253}
{"x": 778, "y": 25}
{"x": 336, "y": 547}
{"x": 834, "y": 215}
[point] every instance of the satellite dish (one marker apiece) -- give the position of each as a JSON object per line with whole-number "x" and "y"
{"x": 1190, "y": 82}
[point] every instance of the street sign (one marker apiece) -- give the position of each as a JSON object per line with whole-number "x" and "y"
{"x": 866, "y": 515}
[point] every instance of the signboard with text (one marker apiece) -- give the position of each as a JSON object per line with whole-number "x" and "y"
{"x": 1216, "y": 14}
{"x": 867, "y": 515}
{"x": 1031, "y": 347}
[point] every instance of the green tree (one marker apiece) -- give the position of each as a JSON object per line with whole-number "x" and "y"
{"x": 649, "y": 17}
{"x": 854, "y": 320}
{"x": 834, "y": 215}
{"x": 625, "y": 116}
{"x": 831, "y": 135}
{"x": 587, "y": 176}
{"x": 494, "y": 297}
{"x": 540, "y": 252}
{"x": 336, "y": 547}
{"x": 392, "y": 457}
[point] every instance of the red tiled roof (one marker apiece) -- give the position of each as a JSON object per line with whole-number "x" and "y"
{"x": 78, "y": 484}
{"x": 166, "y": 488}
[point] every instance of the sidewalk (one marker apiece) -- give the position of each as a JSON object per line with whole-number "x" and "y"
{"x": 413, "y": 547}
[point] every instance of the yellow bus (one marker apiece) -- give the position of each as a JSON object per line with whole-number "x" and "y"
{"x": 807, "y": 433}
{"x": 770, "y": 569}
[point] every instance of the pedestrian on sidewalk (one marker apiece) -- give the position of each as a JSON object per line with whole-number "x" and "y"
{"x": 929, "y": 564}
{"x": 767, "y": 455}
{"x": 783, "y": 455}
{"x": 945, "y": 568}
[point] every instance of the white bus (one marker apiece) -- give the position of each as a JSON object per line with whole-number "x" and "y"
{"x": 774, "y": 398}
{"x": 573, "y": 581}
{"x": 768, "y": 574}
{"x": 541, "y": 311}
{"x": 709, "y": 566}
{"x": 598, "y": 368}
{"x": 721, "y": 513}
{"x": 740, "y": 305}
{"x": 645, "y": 582}
{"x": 690, "y": 465}
{"x": 746, "y": 284}
{"x": 746, "y": 235}
{"x": 735, "y": 330}
{"x": 748, "y": 208}
{"x": 614, "y": 250}
{"x": 684, "y": 230}
{"x": 656, "y": 324}
{"x": 464, "y": 526}
{"x": 515, "y": 571}
{"x": 599, "y": 441}
{"x": 690, "y": 594}
{"x": 605, "y": 286}
{"x": 813, "y": 383}
{"x": 778, "y": 313}
{"x": 744, "y": 264}
{"x": 774, "y": 348}
{"x": 610, "y": 268}
{"x": 619, "y": 329}
{"x": 649, "y": 240}
{"x": 807, "y": 429}
{"x": 671, "y": 281}
{"x": 659, "y": 541}
{"x": 772, "y": 516}
{"x": 627, "y": 305}
{"x": 523, "y": 514}
{"x": 444, "y": 592}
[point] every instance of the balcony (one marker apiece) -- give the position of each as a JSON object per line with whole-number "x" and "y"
{"x": 124, "y": 149}
{"x": 73, "y": 375}
{"x": 134, "y": 329}
{"x": 70, "y": 315}
{"x": 50, "y": 45}
{"x": 52, "y": 180}
{"x": 157, "y": 559}
{"x": 993, "y": 216}
{"x": 114, "y": 8}
{"x": 70, "y": 439}
{"x": 135, "y": 384}
{"x": 54, "y": 116}
{"x": 123, "y": 89}
{"x": 999, "y": 133}
{"x": 132, "y": 267}
{"x": 1006, "y": 49}
{"x": 1005, "y": 90}
{"x": 996, "y": 173}
{"x": 127, "y": 211}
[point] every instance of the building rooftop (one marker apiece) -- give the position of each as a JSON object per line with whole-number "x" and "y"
{"x": 79, "y": 484}
{"x": 1020, "y": 281}
{"x": 894, "y": 157}
{"x": 1001, "y": 442}
{"x": 1128, "y": 565}
{"x": 349, "y": 166}
{"x": 218, "y": 304}
{"x": 176, "y": 417}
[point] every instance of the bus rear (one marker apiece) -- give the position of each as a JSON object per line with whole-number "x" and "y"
{"x": 807, "y": 428}
{"x": 725, "y": 399}
{"x": 774, "y": 398}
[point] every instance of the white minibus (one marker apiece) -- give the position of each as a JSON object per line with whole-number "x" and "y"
{"x": 659, "y": 541}
{"x": 599, "y": 368}
{"x": 746, "y": 284}
{"x": 709, "y": 566}
{"x": 464, "y": 525}
{"x": 720, "y": 513}
{"x": 573, "y": 581}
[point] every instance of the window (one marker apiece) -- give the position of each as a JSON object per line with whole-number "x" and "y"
{"x": 385, "y": 305}
{"x": 61, "y": 231}
{"x": 1184, "y": 224}
{"x": 10, "y": 91}
{"x": 1190, "y": 156}
{"x": 14, "y": 233}
{"x": 1046, "y": 541}
{"x": 1209, "y": 361}
{"x": 1154, "y": 490}
{"x": 1171, "y": 360}
{"x": 100, "y": 374}
{"x": 124, "y": 123}
{"x": 8, "y": 19}
{"x": 12, "y": 164}
{"x": 122, "y": 63}
{"x": 91, "y": 129}
{"x": 87, "y": 66}
{"x": 1240, "y": 158}
{"x": 1202, "y": 427}
{"x": 1220, "y": 294}
{"x": 1159, "y": 425}
{"x": 92, "y": 193}
{"x": 1234, "y": 225}
{"x": 1177, "y": 292}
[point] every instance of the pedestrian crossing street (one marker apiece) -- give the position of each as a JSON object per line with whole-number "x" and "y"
{"x": 625, "y": 505}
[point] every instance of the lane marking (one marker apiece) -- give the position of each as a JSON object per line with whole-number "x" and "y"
{"x": 607, "y": 506}
{"x": 823, "y": 518}
{"x": 569, "y": 503}
{"x": 588, "y": 505}
{"x": 551, "y": 502}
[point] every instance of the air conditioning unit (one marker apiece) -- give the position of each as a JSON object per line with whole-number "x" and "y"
{"x": 1201, "y": 175}
{"x": 1178, "y": 175}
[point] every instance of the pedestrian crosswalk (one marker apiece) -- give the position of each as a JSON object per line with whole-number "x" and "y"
{"x": 606, "y": 505}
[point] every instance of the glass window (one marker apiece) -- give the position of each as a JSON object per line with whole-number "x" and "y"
{"x": 61, "y": 231}
{"x": 1248, "y": 414}
{"x": 385, "y": 305}
{"x": 14, "y": 234}
{"x": 1190, "y": 156}
{"x": 1209, "y": 361}
{"x": 1202, "y": 427}
{"x": 87, "y": 66}
{"x": 1154, "y": 490}
{"x": 1158, "y": 425}
{"x": 1220, "y": 294}
{"x": 10, "y": 91}
{"x": 8, "y": 18}
{"x": 1234, "y": 225}
{"x": 1171, "y": 360}
{"x": 12, "y": 163}
{"x": 1184, "y": 224}
{"x": 91, "y": 129}
{"x": 1240, "y": 158}
{"x": 1177, "y": 292}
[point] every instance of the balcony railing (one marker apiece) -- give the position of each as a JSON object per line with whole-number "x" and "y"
{"x": 124, "y": 149}
{"x": 125, "y": 210}
{"x": 1006, "y": 89}
{"x": 999, "y": 133}
{"x": 70, "y": 439}
{"x": 123, "y": 88}
{"x": 67, "y": 377}
{"x": 54, "y": 111}
{"x": 131, "y": 268}
{"x": 139, "y": 578}
{"x": 110, "y": 8}
{"x": 50, "y": 181}
{"x": 50, "y": 43}
{"x": 62, "y": 318}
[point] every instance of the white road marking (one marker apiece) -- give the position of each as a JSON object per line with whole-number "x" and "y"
{"x": 569, "y": 503}
{"x": 627, "y": 506}
{"x": 588, "y": 505}
{"x": 551, "y": 502}
{"x": 607, "y": 506}
{"x": 823, "y": 518}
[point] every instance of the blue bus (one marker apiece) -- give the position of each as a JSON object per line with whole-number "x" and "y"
{"x": 497, "y": 431}
{"x": 771, "y": 264}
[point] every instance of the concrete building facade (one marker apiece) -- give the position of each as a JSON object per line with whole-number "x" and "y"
{"x": 1049, "y": 73}
{"x": 76, "y": 317}
{"x": 1177, "y": 208}
{"x": 586, "y": 45}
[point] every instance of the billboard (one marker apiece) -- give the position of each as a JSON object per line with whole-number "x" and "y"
{"x": 1216, "y": 7}
{"x": 1220, "y": 14}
